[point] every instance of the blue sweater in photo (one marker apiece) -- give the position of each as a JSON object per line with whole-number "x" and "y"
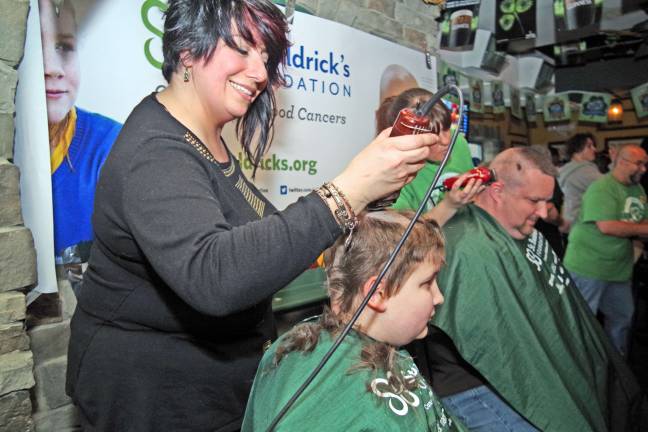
{"x": 75, "y": 180}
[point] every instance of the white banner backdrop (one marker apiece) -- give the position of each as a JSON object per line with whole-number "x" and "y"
{"x": 326, "y": 111}
{"x": 31, "y": 155}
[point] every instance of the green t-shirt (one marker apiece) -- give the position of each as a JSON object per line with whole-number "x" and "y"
{"x": 596, "y": 255}
{"x": 412, "y": 194}
{"x": 339, "y": 399}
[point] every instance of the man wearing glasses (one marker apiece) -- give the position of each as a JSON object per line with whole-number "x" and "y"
{"x": 600, "y": 248}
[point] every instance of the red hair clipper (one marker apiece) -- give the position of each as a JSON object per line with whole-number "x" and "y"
{"x": 408, "y": 122}
{"x": 484, "y": 174}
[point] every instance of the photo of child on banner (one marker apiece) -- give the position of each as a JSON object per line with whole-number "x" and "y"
{"x": 575, "y": 19}
{"x": 459, "y": 25}
{"x": 79, "y": 140}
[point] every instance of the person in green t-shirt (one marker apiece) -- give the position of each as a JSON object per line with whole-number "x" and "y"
{"x": 600, "y": 250}
{"x": 369, "y": 383}
{"x": 460, "y": 161}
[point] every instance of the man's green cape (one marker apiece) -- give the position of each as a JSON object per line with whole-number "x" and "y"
{"x": 516, "y": 316}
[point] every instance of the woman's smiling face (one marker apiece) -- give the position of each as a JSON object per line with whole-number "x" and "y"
{"x": 229, "y": 81}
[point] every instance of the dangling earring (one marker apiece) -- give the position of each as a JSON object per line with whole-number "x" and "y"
{"x": 185, "y": 76}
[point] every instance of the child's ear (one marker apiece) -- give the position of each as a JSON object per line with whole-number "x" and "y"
{"x": 378, "y": 301}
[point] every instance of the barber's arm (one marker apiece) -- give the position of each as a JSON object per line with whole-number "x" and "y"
{"x": 623, "y": 229}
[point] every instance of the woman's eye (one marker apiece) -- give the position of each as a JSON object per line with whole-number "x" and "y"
{"x": 240, "y": 46}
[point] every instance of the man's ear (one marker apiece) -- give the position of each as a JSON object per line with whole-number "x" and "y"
{"x": 378, "y": 301}
{"x": 495, "y": 191}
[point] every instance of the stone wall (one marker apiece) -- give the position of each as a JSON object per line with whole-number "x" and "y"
{"x": 32, "y": 375}
{"x": 17, "y": 253}
{"x": 48, "y": 325}
{"x": 406, "y": 22}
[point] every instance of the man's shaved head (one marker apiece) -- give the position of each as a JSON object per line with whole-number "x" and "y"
{"x": 511, "y": 164}
{"x": 524, "y": 184}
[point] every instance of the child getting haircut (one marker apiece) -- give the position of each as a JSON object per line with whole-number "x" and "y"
{"x": 368, "y": 383}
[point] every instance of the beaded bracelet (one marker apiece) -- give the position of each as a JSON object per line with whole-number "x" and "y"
{"x": 339, "y": 213}
{"x": 344, "y": 208}
{"x": 344, "y": 213}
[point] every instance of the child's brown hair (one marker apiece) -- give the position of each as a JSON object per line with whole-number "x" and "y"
{"x": 375, "y": 237}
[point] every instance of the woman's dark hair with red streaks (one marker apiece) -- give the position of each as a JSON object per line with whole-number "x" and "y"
{"x": 196, "y": 26}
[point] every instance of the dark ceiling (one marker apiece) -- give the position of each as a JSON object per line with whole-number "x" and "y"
{"x": 612, "y": 59}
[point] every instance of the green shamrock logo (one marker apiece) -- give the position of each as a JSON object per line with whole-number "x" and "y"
{"x": 146, "y": 7}
{"x": 511, "y": 9}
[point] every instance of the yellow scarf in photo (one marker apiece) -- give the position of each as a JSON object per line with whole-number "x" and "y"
{"x": 60, "y": 151}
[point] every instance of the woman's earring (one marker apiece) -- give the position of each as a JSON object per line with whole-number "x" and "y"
{"x": 185, "y": 77}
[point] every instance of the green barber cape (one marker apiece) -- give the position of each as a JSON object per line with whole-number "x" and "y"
{"x": 515, "y": 315}
{"x": 340, "y": 400}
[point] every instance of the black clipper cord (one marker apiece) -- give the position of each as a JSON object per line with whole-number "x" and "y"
{"x": 424, "y": 110}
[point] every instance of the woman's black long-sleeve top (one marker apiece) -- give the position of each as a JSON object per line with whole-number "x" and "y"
{"x": 175, "y": 307}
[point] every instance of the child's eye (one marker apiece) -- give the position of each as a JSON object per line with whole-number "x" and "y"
{"x": 64, "y": 47}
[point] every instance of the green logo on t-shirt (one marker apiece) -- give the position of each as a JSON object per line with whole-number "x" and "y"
{"x": 633, "y": 210}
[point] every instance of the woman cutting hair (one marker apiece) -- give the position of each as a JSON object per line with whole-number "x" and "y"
{"x": 175, "y": 310}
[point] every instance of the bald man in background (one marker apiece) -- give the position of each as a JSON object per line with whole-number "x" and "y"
{"x": 600, "y": 254}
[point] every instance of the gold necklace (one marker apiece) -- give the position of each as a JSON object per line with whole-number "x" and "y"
{"x": 254, "y": 201}
{"x": 204, "y": 152}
